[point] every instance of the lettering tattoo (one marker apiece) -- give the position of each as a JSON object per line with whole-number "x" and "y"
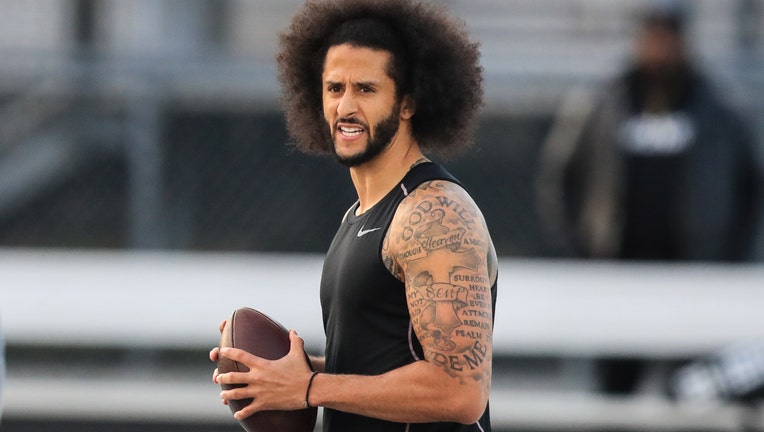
{"x": 438, "y": 244}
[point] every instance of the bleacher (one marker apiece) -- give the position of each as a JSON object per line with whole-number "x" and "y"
{"x": 123, "y": 336}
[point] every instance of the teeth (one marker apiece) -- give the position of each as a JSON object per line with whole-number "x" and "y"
{"x": 350, "y": 131}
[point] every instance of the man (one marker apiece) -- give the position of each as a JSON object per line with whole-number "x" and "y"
{"x": 409, "y": 283}
{"x": 656, "y": 167}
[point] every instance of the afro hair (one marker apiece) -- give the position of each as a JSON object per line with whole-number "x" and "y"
{"x": 442, "y": 70}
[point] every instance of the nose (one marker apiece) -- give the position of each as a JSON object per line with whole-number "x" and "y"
{"x": 347, "y": 106}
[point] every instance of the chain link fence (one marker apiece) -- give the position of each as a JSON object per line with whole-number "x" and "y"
{"x": 229, "y": 181}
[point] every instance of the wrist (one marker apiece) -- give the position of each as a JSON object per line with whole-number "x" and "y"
{"x": 307, "y": 390}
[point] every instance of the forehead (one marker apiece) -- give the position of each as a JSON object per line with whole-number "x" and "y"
{"x": 348, "y": 61}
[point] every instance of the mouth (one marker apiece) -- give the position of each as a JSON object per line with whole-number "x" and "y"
{"x": 350, "y": 130}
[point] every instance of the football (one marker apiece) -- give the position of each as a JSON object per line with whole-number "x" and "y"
{"x": 258, "y": 334}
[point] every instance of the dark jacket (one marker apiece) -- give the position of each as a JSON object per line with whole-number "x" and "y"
{"x": 582, "y": 172}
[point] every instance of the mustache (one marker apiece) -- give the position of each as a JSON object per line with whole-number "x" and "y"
{"x": 354, "y": 121}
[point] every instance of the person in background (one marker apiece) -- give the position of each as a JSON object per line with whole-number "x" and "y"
{"x": 655, "y": 166}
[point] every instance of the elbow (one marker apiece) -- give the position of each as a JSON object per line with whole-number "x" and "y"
{"x": 469, "y": 408}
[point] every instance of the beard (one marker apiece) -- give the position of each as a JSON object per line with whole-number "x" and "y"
{"x": 384, "y": 131}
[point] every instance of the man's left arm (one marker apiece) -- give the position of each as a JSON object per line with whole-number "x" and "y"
{"x": 439, "y": 245}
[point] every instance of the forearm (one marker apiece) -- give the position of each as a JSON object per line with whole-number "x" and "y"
{"x": 419, "y": 392}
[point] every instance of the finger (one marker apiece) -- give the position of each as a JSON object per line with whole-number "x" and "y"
{"x": 214, "y": 354}
{"x": 243, "y": 357}
{"x": 235, "y": 393}
{"x": 242, "y": 414}
{"x": 222, "y": 325}
{"x": 296, "y": 344}
{"x": 215, "y": 374}
{"x": 246, "y": 411}
{"x": 232, "y": 378}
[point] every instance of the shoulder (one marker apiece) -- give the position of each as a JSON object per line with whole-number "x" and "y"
{"x": 437, "y": 215}
{"x": 435, "y": 199}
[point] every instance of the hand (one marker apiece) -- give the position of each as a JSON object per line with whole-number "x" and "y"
{"x": 272, "y": 384}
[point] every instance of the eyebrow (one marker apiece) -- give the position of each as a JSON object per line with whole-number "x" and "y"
{"x": 366, "y": 83}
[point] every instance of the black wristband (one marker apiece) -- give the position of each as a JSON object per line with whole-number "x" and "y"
{"x": 307, "y": 391}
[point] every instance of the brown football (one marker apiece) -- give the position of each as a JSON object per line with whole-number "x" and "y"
{"x": 258, "y": 334}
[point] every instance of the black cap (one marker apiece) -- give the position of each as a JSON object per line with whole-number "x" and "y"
{"x": 668, "y": 14}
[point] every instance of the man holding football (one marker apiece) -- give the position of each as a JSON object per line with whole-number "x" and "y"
{"x": 408, "y": 289}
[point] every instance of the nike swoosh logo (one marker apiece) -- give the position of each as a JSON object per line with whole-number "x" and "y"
{"x": 362, "y": 232}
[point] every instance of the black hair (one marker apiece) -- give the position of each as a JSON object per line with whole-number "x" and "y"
{"x": 434, "y": 61}
{"x": 667, "y": 14}
{"x": 375, "y": 34}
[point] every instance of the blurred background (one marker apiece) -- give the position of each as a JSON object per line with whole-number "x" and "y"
{"x": 147, "y": 189}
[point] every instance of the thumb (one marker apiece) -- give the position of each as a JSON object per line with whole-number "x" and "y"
{"x": 296, "y": 344}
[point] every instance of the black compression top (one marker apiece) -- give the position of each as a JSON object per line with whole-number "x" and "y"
{"x": 366, "y": 318}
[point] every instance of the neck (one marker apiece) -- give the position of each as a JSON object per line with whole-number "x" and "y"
{"x": 374, "y": 179}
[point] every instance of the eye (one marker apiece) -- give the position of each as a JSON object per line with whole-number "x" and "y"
{"x": 366, "y": 89}
{"x": 334, "y": 88}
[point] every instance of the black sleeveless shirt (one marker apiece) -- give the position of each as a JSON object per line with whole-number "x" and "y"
{"x": 365, "y": 312}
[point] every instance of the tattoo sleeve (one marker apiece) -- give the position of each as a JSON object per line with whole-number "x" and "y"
{"x": 439, "y": 246}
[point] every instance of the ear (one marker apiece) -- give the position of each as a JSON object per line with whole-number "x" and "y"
{"x": 408, "y": 107}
